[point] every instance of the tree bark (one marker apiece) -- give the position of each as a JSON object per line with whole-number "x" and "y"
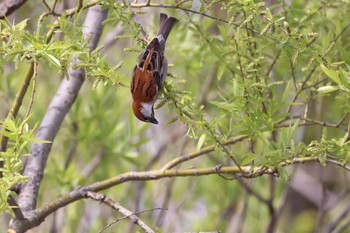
{"x": 9, "y": 6}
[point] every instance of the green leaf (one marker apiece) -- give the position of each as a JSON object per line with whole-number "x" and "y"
{"x": 22, "y": 25}
{"x": 332, "y": 74}
{"x": 327, "y": 89}
{"x": 53, "y": 59}
{"x": 201, "y": 141}
{"x": 248, "y": 158}
{"x": 283, "y": 174}
{"x": 202, "y": 8}
{"x": 221, "y": 70}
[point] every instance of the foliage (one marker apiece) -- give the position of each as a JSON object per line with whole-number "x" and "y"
{"x": 19, "y": 135}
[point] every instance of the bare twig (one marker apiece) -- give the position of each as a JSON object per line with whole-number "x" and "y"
{"x": 243, "y": 214}
{"x": 322, "y": 208}
{"x": 342, "y": 119}
{"x": 46, "y": 5}
{"x": 127, "y": 213}
{"x": 339, "y": 164}
{"x": 205, "y": 150}
{"x": 343, "y": 227}
{"x": 31, "y": 100}
{"x": 73, "y": 146}
{"x": 251, "y": 191}
{"x": 336, "y": 221}
{"x": 87, "y": 170}
{"x": 273, "y": 63}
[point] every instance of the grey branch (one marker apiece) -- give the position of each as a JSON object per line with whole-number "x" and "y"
{"x": 9, "y": 6}
{"x": 127, "y": 213}
{"x": 57, "y": 110}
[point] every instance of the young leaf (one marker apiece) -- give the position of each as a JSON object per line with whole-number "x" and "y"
{"x": 331, "y": 74}
{"x": 201, "y": 141}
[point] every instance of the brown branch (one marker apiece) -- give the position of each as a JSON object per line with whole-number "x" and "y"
{"x": 339, "y": 164}
{"x": 273, "y": 216}
{"x": 249, "y": 172}
{"x": 36, "y": 217}
{"x": 301, "y": 89}
{"x": 46, "y": 5}
{"x": 7, "y": 7}
{"x": 331, "y": 227}
{"x": 323, "y": 123}
{"x": 116, "y": 206}
{"x": 243, "y": 214}
{"x": 342, "y": 119}
{"x": 90, "y": 167}
{"x": 251, "y": 191}
{"x": 273, "y": 63}
{"x": 205, "y": 150}
{"x": 31, "y": 100}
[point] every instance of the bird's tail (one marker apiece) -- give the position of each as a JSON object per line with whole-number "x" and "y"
{"x": 166, "y": 24}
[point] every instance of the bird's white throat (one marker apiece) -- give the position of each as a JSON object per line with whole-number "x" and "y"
{"x": 146, "y": 109}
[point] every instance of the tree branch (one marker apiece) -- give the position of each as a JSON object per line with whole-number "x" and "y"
{"x": 57, "y": 110}
{"x": 205, "y": 150}
{"x": 127, "y": 213}
{"x": 9, "y": 6}
{"x": 338, "y": 219}
{"x": 39, "y": 215}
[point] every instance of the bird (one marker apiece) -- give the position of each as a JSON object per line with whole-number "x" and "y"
{"x": 149, "y": 73}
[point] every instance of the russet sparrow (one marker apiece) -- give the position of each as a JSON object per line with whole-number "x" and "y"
{"x": 149, "y": 73}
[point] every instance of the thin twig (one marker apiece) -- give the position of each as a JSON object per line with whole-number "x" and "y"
{"x": 342, "y": 119}
{"x": 182, "y": 2}
{"x": 127, "y": 213}
{"x": 46, "y": 5}
{"x": 87, "y": 170}
{"x": 142, "y": 5}
{"x": 73, "y": 145}
{"x": 31, "y": 100}
{"x": 251, "y": 191}
{"x": 203, "y": 151}
{"x": 336, "y": 221}
{"x": 273, "y": 63}
{"x": 243, "y": 214}
{"x": 339, "y": 164}
{"x": 54, "y": 6}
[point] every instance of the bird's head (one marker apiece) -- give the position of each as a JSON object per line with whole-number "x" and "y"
{"x": 144, "y": 112}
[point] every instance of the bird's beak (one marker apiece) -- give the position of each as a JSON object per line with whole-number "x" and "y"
{"x": 152, "y": 120}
